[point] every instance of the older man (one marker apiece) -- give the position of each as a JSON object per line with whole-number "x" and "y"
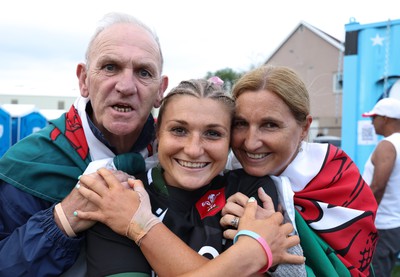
{"x": 120, "y": 83}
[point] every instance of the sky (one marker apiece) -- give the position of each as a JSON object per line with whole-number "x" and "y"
{"x": 42, "y": 41}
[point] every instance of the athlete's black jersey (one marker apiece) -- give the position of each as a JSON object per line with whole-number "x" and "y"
{"x": 192, "y": 215}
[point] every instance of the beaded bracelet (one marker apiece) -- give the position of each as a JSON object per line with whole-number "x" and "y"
{"x": 64, "y": 221}
{"x": 261, "y": 241}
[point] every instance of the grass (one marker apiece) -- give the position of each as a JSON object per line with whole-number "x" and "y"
{"x": 395, "y": 272}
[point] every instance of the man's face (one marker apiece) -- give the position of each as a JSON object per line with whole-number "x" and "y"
{"x": 378, "y": 122}
{"x": 123, "y": 81}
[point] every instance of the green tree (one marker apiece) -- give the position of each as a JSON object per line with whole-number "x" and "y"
{"x": 228, "y": 75}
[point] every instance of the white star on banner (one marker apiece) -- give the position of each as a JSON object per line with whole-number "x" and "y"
{"x": 377, "y": 40}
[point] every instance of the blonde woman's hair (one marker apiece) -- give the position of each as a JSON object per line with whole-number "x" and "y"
{"x": 282, "y": 81}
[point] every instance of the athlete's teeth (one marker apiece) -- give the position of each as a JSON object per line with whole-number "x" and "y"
{"x": 193, "y": 165}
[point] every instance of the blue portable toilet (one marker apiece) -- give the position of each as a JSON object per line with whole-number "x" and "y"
{"x": 5, "y": 131}
{"x": 371, "y": 71}
{"x": 26, "y": 119}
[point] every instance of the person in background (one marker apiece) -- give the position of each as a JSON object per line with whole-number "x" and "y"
{"x": 187, "y": 190}
{"x": 320, "y": 188}
{"x": 382, "y": 173}
{"x": 120, "y": 83}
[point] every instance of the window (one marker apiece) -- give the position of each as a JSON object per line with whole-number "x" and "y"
{"x": 61, "y": 105}
{"x": 14, "y": 101}
{"x": 337, "y": 82}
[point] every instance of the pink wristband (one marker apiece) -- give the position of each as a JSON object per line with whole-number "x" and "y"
{"x": 261, "y": 241}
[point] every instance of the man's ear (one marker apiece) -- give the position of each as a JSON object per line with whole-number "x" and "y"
{"x": 81, "y": 73}
{"x": 163, "y": 87}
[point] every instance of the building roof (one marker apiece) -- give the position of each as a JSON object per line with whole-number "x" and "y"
{"x": 328, "y": 38}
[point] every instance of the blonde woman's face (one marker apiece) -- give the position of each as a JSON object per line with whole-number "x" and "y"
{"x": 265, "y": 135}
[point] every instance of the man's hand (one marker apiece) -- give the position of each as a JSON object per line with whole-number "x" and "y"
{"x": 76, "y": 201}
